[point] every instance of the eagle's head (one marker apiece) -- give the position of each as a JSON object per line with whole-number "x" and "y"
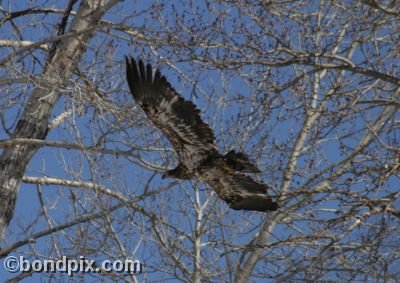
{"x": 179, "y": 173}
{"x": 166, "y": 175}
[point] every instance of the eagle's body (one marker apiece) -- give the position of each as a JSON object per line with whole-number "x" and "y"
{"x": 194, "y": 142}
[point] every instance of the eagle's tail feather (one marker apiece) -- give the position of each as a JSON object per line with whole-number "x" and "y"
{"x": 254, "y": 202}
{"x": 240, "y": 162}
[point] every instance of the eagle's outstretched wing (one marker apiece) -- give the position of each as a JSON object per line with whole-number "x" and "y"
{"x": 194, "y": 141}
{"x": 178, "y": 118}
{"x": 242, "y": 192}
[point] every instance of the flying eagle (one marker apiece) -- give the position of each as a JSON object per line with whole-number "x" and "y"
{"x": 194, "y": 142}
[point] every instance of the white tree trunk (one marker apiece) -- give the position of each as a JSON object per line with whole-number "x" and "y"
{"x": 33, "y": 123}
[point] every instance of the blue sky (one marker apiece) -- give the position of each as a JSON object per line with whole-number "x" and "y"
{"x": 269, "y": 141}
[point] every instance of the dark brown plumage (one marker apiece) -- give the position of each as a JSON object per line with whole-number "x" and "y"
{"x": 194, "y": 142}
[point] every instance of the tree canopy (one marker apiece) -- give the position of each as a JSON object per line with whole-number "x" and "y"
{"x": 308, "y": 89}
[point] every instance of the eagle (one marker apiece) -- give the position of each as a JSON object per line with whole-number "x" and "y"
{"x": 194, "y": 142}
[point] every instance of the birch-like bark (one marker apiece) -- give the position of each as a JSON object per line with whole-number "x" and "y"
{"x": 245, "y": 272}
{"x": 34, "y": 121}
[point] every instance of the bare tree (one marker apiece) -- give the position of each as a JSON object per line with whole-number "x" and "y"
{"x": 308, "y": 90}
